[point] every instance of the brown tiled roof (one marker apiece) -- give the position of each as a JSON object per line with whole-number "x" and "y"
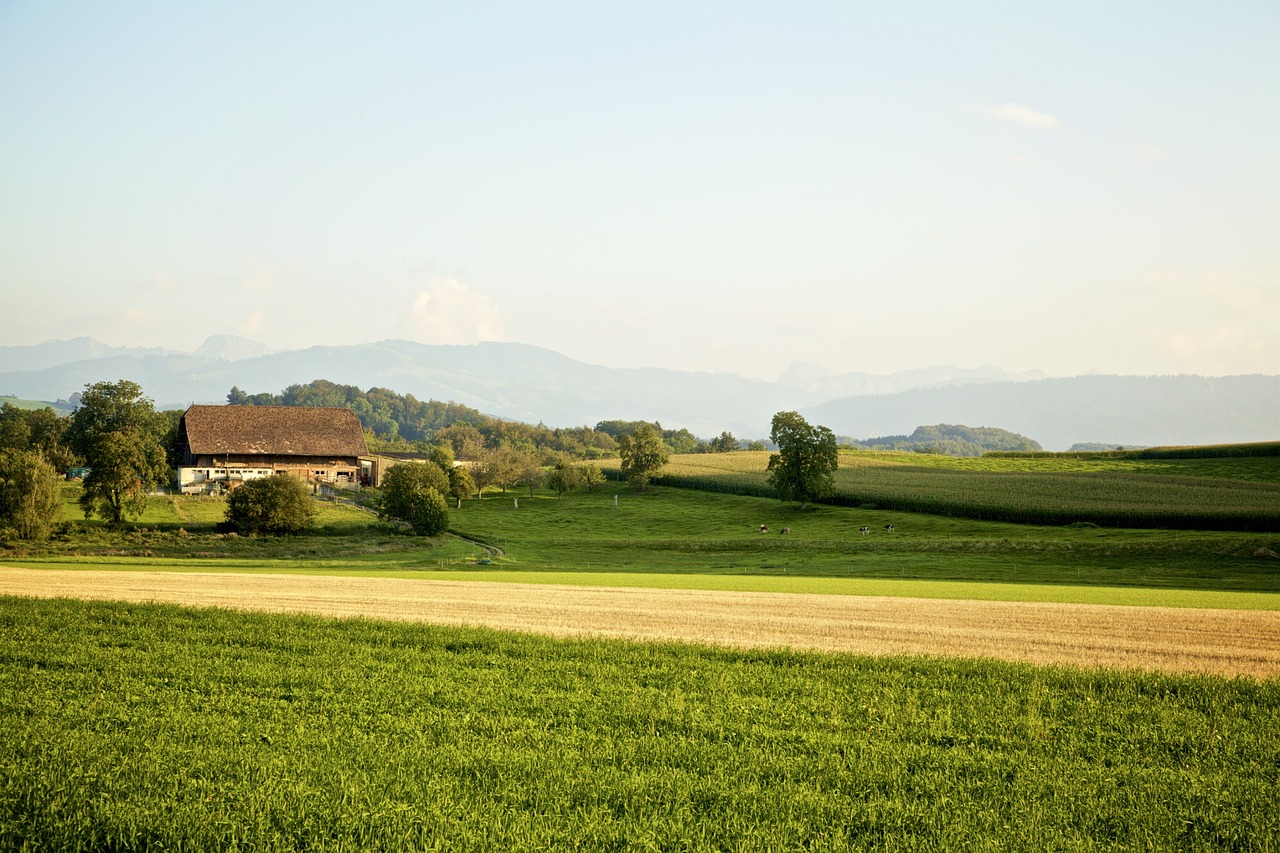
{"x": 273, "y": 430}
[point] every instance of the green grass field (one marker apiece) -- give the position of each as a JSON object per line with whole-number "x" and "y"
{"x": 152, "y": 727}
{"x": 674, "y": 532}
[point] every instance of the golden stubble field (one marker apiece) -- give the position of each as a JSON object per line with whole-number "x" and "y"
{"x": 1218, "y": 642}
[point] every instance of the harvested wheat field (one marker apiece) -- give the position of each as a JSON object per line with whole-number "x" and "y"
{"x": 1220, "y": 642}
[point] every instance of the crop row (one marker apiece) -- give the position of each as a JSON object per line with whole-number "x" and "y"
{"x": 1107, "y": 498}
{"x": 1212, "y": 451}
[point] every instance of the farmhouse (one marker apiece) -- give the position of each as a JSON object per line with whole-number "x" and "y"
{"x": 226, "y": 445}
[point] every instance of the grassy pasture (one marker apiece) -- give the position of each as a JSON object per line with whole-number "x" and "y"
{"x": 171, "y": 512}
{"x": 154, "y": 727}
{"x": 1233, "y": 493}
{"x": 672, "y": 532}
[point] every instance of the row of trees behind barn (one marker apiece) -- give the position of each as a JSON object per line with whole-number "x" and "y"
{"x": 402, "y": 423}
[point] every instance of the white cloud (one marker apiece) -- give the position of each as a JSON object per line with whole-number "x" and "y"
{"x": 1222, "y": 348}
{"x": 254, "y": 324}
{"x": 1220, "y": 290}
{"x": 1025, "y": 116}
{"x": 447, "y": 312}
{"x": 164, "y": 283}
{"x": 263, "y": 275}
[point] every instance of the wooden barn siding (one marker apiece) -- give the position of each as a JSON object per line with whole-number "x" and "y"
{"x": 279, "y": 463}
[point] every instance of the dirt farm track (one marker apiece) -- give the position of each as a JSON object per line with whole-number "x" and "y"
{"x": 1221, "y": 642}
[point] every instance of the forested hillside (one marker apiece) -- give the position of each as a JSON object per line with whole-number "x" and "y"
{"x": 401, "y": 422}
{"x": 951, "y": 440}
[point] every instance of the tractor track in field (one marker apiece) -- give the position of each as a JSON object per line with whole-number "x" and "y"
{"x": 1219, "y": 642}
{"x": 491, "y": 552}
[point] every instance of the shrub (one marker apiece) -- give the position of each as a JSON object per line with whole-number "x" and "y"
{"x": 412, "y": 493}
{"x": 278, "y": 504}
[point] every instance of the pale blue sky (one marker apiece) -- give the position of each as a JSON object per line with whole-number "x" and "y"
{"x": 707, "y": 186}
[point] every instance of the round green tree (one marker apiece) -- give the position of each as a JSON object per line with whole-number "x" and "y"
{"x": 277, "y": 504}
{"x": 413, "y": 492}
{"x": 564, "y": 476}
{"x": 804, "y": 467}
{"x": 643, "y": 455}
{"x": 118, "y": 433}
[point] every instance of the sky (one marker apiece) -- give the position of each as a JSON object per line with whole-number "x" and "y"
{"x": 727, "y": 187}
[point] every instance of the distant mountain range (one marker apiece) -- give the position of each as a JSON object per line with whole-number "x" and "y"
{"x": 56, "y": 353}
{"x": 831, "y": 384}
{"x": 533, "y": 385}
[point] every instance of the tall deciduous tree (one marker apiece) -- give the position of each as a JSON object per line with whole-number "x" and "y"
{"x": 563, "y": 476}
{"x": 643, "y": 455}
{"x": 592, "y": 476}
{"x": 118, "y": 433}
{"x": 724, "y": 443}
{"x": 531, "y": 473}
{"x": 461, "y": 485}
{"x": 30, "y": 494}
{"x": 804, "y": 467}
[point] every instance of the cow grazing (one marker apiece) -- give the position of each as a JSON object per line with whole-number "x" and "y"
{"x": 889, "y": 527}
{"x": 784, "y": 531}
{"x": 864, "y": 530}
{"x": 764, "y": 528}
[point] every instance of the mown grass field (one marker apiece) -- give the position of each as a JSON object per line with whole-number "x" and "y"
{"x": 145, "y": 727}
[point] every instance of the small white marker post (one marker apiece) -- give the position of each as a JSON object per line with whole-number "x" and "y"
{"x": 615, "y": 500}
{"x": 516, "y": 501}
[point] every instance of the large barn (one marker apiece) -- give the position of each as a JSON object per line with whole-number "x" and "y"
{"x": 226, "y": 445}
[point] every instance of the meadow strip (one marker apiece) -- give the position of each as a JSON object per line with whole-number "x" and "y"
{"x": 1220, "y": 642}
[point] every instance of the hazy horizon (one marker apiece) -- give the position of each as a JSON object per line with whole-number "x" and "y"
{"x": 783, "y": 370}
{"x": 1065, "y": 187}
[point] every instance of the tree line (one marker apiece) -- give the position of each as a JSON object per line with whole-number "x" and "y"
{"x": 950, "y": 440}
{"x": 401, "y": 423}
{"x": 115, "y": 433}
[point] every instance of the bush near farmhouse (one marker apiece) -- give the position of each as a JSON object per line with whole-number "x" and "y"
{"x": 413, "y": 492}
{"x": 277, "y": 504}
